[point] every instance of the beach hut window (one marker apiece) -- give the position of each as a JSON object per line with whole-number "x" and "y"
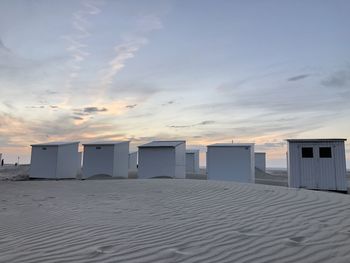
{"x": 98, "y": 148}
{"x": 325, "y": 152}
{"x": 44, "y": 148}
{"x": 307, "y": 152}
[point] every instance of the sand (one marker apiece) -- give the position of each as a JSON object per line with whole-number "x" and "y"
{"x": 273, "y": 177}
{"x": 14, "y": 173}
{"x": 164, "y": 220}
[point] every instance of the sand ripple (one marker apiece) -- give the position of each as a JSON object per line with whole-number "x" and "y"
{"x": 170, "y": 221}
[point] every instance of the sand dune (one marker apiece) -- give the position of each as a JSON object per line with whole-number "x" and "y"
{"x": 170, "y": 221}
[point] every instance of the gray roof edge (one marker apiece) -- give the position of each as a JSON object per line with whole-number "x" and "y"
{"x": 153, "y": 144}
{"x": 53, "y": 144}
{"x": 231, "y": 145}
{"x": 318, "y": 140}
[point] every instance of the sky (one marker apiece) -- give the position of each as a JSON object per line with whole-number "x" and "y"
{"x": 205, "y": 71}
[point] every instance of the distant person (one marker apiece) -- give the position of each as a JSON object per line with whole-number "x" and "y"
{"x": 2, "y": 162}
{"x": 15, "y": 164}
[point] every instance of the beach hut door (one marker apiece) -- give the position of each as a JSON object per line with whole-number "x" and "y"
{"x": 326, "y": 167}
{"x": 190, "y": 163}
{"x": 308, "y": 166}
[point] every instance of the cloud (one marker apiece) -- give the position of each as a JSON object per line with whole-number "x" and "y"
{"x": 8, "y": 104}
{"x": 51, "y": 92}
{"x": 271, "y": 107}
{"x": 148, "y": 23}
{"x": 77, "y": 48}
{"x": 273, "y": 144}
{"x": 131, "y": 106}
{"x": 3, "y": 48}
{"x": 170, "y": 102}
{"x": 180, "y": 126}
{"x": 17, "y": 131}
{"x": 18, "y": 73}
{"x": 54, "y": 107}
{"x": 94, "y": 109}
{"x": 89, "y": 111}
{"x": 9, "y": 61}
{"x": 65, "y": 128}
{"x": 206, "y": 122}
{"x": 192, "y": 125}
{"x": 131, "y": 44}
{"x": 106, "y": 137}
{"x": 278, "y": 97}
{"x": 123, "y": 52}
{"x": 298, "y": 77}
{"x": 338, "y": 79}
{"x": 14, "y": 130}
{"x": 271, "y": 72}
{"x": 36, "y": 107}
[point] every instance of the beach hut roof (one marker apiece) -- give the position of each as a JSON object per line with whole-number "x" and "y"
{"x": 231, "y": 145}
{"x": 156, "y": 144}
{"x": 317, "y": 140}
{"x": 47, "y": 144}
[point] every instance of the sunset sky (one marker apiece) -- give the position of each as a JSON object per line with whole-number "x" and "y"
{"x": 205, "y": 71}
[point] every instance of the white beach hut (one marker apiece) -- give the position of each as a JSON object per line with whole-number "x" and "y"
{"x": 231, "y": 162}
{"x": 54, "y": 160}
{"x": 133, "y": 162}
{"x": 317, "y": 164}
{"x": 106, "y": 158}
{"x": 162, "y": 159}
{"x": 192, "y": 161}
{"x": 260, "y": 161}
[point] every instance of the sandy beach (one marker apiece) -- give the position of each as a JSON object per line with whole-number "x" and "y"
{"x": 164, "y": 220}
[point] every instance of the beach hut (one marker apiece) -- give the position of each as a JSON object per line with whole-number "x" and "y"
{"x": 231, "y": 162}
{"x": 133, "y": 162}
{"x": 260, "y": 161}
{"x": 162, "y": 159}
{"x": 106, "y": 158}
{"x": 317, "y": 164}
{"x": 192, "y": 161}
{"x": 54, "y": 160}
